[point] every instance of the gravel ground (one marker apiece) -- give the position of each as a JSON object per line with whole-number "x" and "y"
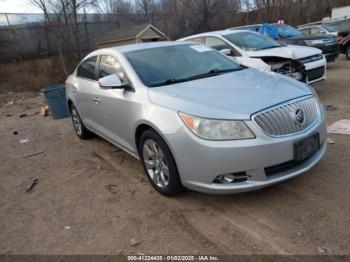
{"x": 92, "y": 198}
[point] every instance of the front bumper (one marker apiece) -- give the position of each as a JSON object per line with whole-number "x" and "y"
{"x": 331, "y": 57}
{"x": 315, "y": 71}
{"x": 331, "y": 52}
{"x": 199, "y": 161}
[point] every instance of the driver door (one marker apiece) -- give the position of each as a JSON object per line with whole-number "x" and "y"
{"x": 114, "y": 115}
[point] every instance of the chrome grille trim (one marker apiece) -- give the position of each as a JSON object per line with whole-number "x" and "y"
{"x": 280, "y": 120}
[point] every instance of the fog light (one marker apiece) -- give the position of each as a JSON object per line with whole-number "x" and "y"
{"x": 231, "y": 178}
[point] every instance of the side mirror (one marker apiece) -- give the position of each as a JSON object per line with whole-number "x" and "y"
{"x": 226, "y": 51}
{"x": 110, "y": 82}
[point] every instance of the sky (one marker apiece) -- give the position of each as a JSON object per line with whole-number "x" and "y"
{"x": 17, "y": 6}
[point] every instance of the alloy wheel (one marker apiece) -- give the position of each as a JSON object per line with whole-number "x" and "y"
{"x": 76, "y": 122}
{"x": 155, "y": 162}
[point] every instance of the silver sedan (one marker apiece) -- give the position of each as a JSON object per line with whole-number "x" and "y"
{"x": 195, "y": 118}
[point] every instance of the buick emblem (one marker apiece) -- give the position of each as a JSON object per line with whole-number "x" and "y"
{"x": 299, "y": 116}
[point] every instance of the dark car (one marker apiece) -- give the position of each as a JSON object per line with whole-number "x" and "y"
{"x": 291, "y": 36}
{"x": 344, "y": 45}
{"x": 327, "y": 43}
{"x": 318, "y": 29}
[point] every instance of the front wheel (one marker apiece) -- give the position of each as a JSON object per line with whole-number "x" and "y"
{"x": 159, "y": 164}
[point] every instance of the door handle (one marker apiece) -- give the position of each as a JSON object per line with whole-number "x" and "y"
{"x": 96, "y": 100}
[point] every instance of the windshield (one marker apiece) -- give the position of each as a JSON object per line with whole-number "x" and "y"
{"x": 329, "y": 28}
{"x": 168, "y": 65}
{"x": 252, "y": 41}
{"x": 288, "y": 31}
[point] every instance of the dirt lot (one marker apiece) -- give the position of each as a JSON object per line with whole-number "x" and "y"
{"x": 71, "y": 211}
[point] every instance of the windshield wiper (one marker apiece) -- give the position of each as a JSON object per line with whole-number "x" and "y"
{"x": 167, "y": 82}
{"x": 210, "y": 73}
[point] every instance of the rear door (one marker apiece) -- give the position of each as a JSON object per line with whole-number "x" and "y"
{"x": 306, "y": 31}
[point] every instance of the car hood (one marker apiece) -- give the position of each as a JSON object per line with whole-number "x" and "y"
{"x": 309, "y": 37}
{"x": 289, "y": 51}
{"x": 235, "y": 95}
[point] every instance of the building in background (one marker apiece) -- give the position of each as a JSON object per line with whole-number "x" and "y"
{"x": 341, "y": 12}
{"x": 129, "y": 34}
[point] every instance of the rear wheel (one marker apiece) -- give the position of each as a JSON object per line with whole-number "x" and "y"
{"x": 79, "y": 127}
{"x": 347, "y": 52}
{"x": 159, "y": 164}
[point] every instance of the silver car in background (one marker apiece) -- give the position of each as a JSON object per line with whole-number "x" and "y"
{"x": 195, "y": 118}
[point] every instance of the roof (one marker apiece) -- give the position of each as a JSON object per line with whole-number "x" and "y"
{"x": 244, "y": 26}
{"x": 309, "y": 26}
{"x": 139, "y": 46}
{"x": 126, "y": 32}
{"x": 217, "y": 33}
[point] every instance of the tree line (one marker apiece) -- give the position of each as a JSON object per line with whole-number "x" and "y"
{"x": 180, "y": 17}
{"x": 177, "y": 18}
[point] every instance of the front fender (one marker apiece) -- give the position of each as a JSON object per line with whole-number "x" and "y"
{"x": 163, "y": 120}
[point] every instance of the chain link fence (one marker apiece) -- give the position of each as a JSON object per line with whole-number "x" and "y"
{"x": 29, "y": 36}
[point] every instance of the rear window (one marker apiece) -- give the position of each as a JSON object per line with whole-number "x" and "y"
{"x": 288, "y": 31}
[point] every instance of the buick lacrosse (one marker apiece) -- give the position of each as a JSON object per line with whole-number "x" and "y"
{"x": 195, "y": 118}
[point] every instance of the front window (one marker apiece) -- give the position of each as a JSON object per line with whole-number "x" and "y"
{"x": 288, "y": 31}
{"x": 173, "y": 64}
{"x": 109, "y": 66}
{"x": 317, "y": 30}
{"x": 252, "y": 41}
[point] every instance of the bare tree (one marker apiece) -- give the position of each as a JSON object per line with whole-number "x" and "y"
{"x": 204, "y": 12}
{"x": 46, "y": 6}
{"x": 60, "y": 13}
{"x": 148, "y": 8}
{"x": 114, "y": 7}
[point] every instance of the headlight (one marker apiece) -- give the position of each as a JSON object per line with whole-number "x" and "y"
{"x": 314, "y": 42}
{"x": 212, "y": 129}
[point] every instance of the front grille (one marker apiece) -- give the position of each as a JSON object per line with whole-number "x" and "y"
{"x": 329, "y": 41}
{"x": 315, "y": 73}
{"x": 283, "y": 120}
{"x": 329, "y": 49}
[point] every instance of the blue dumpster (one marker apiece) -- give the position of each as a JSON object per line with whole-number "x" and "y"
{"x": 55, "y": 97}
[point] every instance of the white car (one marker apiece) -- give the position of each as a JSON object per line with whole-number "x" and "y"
{"x": 251, "y": 49}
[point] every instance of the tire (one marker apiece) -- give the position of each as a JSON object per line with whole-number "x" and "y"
{"x": 159, "y": 164}
{"x": 78, "y": 125}
{"x": 347, "y": 52}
